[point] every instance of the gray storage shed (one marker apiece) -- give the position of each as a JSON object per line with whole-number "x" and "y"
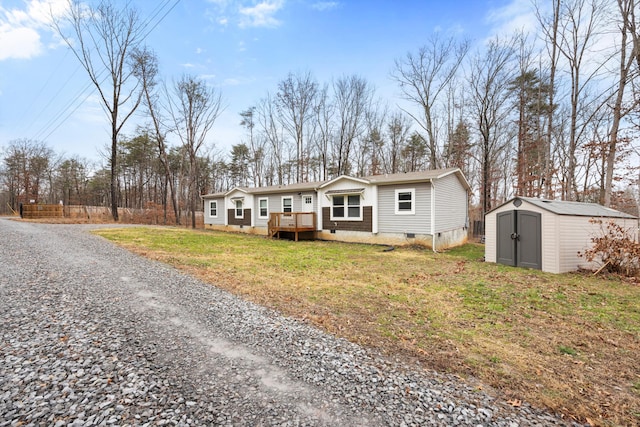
{"x": 547, "y": 234}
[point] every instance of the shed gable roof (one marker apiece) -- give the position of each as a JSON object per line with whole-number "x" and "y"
{"x": 562, "y": 207}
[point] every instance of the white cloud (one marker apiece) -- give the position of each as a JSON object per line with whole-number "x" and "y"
{"x": 249, "y": 13}
{"x": 261, "y": 15}
{"x": 19, "y": 43}
{"x": 237, "y": 81}
{"x": 518, "y": 15}
{"x": 21, "y": 31}
{"x": 325, "y": 5}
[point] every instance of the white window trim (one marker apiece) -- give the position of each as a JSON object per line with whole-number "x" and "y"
{"x": 235, "y": 209}
{"x": 260, "y": 210}
{"x": 211, "y": 203}
{"x": 346, "y": 208}
{"x": 413, "y": 201}
{"x": 282, "y": 203}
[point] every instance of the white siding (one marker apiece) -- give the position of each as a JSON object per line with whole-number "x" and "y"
{"x": 418, "y": 223}
{"x": 575, "y": 235}
{"x": 450, "y": 205}
{"x": 220, "y": 218}
{"x": 550, "y": 239}
{"x": 275, "y": 204}
{"x": 262, "y": 222}
{"x": 490, "y": 242}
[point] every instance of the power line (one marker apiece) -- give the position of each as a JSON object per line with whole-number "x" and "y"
{"x": 68, "y": 109}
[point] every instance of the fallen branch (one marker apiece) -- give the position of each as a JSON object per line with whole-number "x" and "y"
{"x": 600, "y": 269}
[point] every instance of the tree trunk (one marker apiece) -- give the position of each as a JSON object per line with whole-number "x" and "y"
{"x": 114, "y": 171}
{"x": 626, "y": 6}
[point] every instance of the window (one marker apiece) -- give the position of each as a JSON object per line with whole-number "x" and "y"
{"x": 287, "y": 204}
{"x": 337, "y": 210}
{"x": 405, "y": 201}
{"x": 263, "y": 208}
{"x": 213, "y": 208}
{"x": 346, "y": 207}
{"x": 239, "y": 210}
{"x": 308, "y": 200}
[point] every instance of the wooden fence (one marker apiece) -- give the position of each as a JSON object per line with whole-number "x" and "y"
{"x": 89, "y": 212}
{"x": 101, "y": 214}
{"x": 41, "y": 211}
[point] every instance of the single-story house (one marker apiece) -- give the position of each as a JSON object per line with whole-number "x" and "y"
{"x": 429, "y": 208}
{"x": 547, "y": 234}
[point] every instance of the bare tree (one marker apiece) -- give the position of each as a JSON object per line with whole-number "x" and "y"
{"x": 628, "y": 53}
{"x": 424, "y": 77}
{"x": 194, "y": 108}
{"x": 488, "y": 82}
{"x": 549, "y": 27}
{"x": 72, "y": 176}
{"x": 579, "y": 24}
{"x": 352, "y": 99}
{"x": 269, "y": 127}
{"x": 101, "y": 39}
{"x": 146, "y": 68}
{"x": 398, "y": 128}
{"x": 296, "y": 97}
{"x": 371, "y": 145}
{"x": 256, "y": 146}
{"x": 323, "y": 131}
{"x": 530, "y": 95}
{"x": 27, "y": 164}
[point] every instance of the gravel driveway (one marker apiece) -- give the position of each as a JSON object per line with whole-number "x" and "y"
{"x": 94, "y": 335}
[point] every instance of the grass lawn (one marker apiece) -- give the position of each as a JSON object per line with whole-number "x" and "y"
{"x": 567, "y": 342}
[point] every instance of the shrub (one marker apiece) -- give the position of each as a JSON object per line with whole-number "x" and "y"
{"x": 616, "y": 248}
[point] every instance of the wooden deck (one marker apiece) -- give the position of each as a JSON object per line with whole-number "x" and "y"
{"x": 291, "y": 222}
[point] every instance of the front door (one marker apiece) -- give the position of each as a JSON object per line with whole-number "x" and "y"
{"x": 519, "y": 239}
{"x": 307, "y": 207}
{"x": 307, "y": 203}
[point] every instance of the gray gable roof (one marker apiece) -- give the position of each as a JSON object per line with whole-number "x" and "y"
{"x": 561, "y": 207}
{"x": 302, "y": 186}
{"x": 427, "y": 175}
{"x": 397, "y": 178}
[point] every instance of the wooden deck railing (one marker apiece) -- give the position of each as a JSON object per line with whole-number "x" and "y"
{"x": 292, "y": 222}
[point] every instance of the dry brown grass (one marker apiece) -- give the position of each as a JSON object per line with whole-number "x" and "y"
{"x": 568, "y": 342}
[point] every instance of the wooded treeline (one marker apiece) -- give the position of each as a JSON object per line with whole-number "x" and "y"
{"x": 554, "y": 114}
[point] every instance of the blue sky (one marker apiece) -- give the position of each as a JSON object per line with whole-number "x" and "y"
{"x": 243, "y": 48}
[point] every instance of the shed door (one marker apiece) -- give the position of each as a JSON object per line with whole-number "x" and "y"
{"x": 519, "y": 239}
{"x": 505, "y": 242}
